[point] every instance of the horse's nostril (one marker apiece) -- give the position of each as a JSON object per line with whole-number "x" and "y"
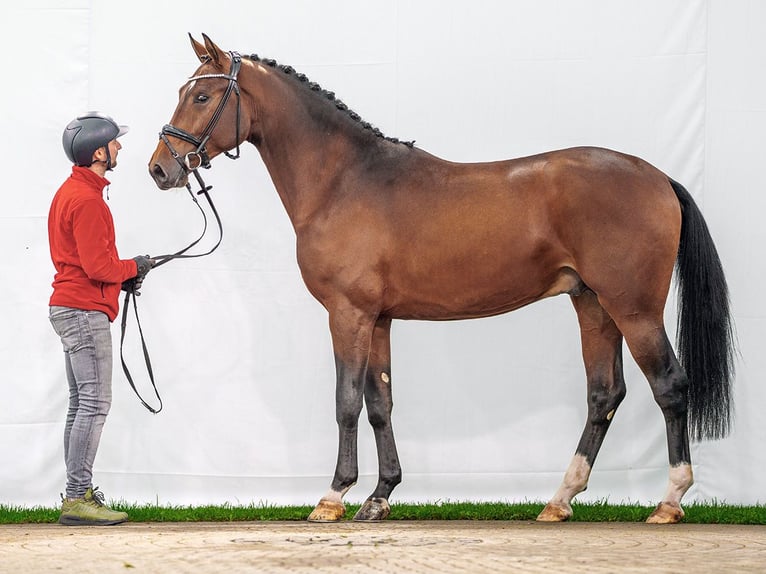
{"x": 158, "y": 172}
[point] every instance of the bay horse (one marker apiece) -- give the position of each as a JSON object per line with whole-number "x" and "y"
{"x": 387, "y": 231}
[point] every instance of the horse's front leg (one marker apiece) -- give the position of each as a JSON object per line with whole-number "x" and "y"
{"x": 351, "y": 334}
{"x": 377, "y": 397}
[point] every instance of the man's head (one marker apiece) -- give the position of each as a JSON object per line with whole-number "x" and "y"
{"x": 92, "y": 138}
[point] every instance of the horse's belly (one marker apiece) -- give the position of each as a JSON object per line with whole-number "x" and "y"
{"x": 465, "y": 296}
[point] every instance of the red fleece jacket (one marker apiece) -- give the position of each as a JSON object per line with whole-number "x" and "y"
{"x": 89, "y": 272}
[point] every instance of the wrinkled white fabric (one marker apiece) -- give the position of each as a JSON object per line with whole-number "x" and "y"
{"x": 484, "y": 410}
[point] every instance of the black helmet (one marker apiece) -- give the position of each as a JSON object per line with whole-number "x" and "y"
{"x": 89, "y": 132}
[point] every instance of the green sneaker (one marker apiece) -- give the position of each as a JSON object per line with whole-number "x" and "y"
{"x": 89, "y": 510}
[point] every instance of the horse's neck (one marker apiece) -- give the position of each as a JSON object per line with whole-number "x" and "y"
{"x": 301, "y": 157}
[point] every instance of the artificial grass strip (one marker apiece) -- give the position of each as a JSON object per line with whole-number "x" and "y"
{"x": 696, "y": 513}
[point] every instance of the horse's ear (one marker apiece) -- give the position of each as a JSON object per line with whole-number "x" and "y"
{"x": 213, "y": 51}
{"x": 199, "y": 49}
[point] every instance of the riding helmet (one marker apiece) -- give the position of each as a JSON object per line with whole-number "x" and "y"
{"x": 89, "y": 132}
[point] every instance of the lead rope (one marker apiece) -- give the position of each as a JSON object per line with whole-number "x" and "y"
{"x": 162, "y": 259}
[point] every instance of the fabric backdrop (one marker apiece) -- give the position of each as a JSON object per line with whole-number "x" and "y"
{"x": 488, "y": 409}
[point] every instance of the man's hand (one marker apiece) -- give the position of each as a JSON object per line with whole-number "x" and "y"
{"x": 144, "y": 264}
{"x": 131, "y": 286}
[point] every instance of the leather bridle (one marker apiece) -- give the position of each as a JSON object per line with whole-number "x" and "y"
{"x": 199, "y": 157}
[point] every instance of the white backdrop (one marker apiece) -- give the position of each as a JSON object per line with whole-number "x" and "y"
{"x": 484, "y": 410}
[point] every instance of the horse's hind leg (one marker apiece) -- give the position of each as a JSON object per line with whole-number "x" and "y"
{"x": 377, "y": 398}
{"x": 654, "y": 354}
{"x": 602, "y": 354}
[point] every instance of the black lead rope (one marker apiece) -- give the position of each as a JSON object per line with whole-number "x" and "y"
{"x": 161, "y": 260}
{"x": 126, "y": 305}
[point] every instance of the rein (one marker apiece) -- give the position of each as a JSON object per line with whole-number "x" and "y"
{"x": 161, "y": 260}
{"x": 190, "y": 164}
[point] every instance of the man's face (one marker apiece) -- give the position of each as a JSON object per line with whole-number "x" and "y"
{"x": 100, "y": 154}
{"x": 114, "y": 147}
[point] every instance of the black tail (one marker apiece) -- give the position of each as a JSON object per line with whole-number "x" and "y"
{"x": 705, "y": 329}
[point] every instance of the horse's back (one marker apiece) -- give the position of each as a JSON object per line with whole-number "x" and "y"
{"x": 525, "y": 220}
{"x": 556, "y": 186}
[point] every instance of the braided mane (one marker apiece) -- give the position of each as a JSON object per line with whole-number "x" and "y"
{"x": 314, "y": 87}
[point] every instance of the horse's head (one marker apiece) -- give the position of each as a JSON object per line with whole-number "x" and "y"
{"x": 207, "y": 120}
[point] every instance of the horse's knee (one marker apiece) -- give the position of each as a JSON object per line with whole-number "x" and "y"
{"x": 347, "y": 413}
{"x": 347, "y": 419}
{"x": 348, "y": 407}
{"x": 377, "y": 419}
{"x": 378, "y": 413}
{"x": 377, "y": 399}
{"x": 603, "y": 399}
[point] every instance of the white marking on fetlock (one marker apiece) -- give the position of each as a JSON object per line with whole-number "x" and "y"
{"x": 575, "y": 481}
{"x": 385, "y": 378}
{"x": 335, "y": 495}
{"x": 681, "y": 479}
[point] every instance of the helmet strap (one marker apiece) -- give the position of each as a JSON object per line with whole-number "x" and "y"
{"x": 108, "y": 159}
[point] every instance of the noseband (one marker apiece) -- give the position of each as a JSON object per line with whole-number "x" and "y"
{"x": 199, "y": 157}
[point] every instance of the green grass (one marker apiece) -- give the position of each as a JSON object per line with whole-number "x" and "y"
{"x": 710, "y": 513}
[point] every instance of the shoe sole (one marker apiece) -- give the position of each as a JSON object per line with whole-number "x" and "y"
{"x": 72, "y": 521}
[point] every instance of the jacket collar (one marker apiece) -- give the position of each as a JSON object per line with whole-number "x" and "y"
{"x": 89, "y": 176}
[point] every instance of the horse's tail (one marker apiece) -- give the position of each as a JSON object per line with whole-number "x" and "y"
{"x": 705, "y": 334}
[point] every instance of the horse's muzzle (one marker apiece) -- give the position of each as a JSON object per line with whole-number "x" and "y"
{"x": 167, "y": 178}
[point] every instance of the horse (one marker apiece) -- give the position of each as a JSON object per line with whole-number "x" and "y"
{"x": 384, "y": 230}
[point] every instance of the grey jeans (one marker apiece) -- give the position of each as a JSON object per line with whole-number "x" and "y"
{"x": 87, "y": 340}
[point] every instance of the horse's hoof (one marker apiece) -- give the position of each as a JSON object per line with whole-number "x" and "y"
{"x": 555, "y": 513}
{"x": 666, "y": 513}
{"x": 327, "y": 511}
{"x": 373, "y": 510}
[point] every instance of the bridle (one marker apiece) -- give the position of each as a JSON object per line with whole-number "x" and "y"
{"x": 190, "y": 164}
{"x": 199, "y": 157}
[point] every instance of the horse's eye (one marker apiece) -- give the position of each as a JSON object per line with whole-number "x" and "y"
{"x": 201, "y": 98}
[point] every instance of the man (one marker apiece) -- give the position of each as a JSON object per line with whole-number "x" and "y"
{"x": 85, "y": 300}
